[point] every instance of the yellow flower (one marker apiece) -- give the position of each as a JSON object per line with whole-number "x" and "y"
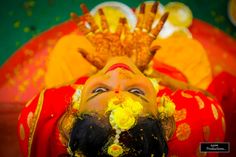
{"x": 113, "y": 104}
{"x": 134, "y": 106}
{"x": 115, "y": 150}
{"x": 161, "y": 109}
{"x": 124, "y": 110}
{"x": 122, "y": 118}
{"x": 170, "y": 108}
{"x": 166, "y": 106}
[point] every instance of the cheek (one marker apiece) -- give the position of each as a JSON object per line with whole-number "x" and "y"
{"x": 98, "y": 105}
{"x": 153, "y": 105}
{"x": 150, "y": 108}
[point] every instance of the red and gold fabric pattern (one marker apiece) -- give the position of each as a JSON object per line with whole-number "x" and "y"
{"x": 197, "y": 120}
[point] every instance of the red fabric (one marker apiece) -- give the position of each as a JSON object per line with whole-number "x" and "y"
{"x": 55, "y": 104}
{"x": 224, "y": 88}
{"x": 46, "y": 136}
{"x": 46, "y": 139}
{"x": 81, "y": 80}
{"x": 190, "y": 130}
{"x": 23, "y": 124}
{"x": 220, "y": 47}
{"x": 169, "y": 70}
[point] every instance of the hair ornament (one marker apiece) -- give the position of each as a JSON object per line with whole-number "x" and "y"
{"x": 76, "y": 98}
{"x": 166, "y": 107}
{"x": 155, "y": 83}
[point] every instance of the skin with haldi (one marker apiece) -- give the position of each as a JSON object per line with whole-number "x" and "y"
{"x": 104, "y": 85}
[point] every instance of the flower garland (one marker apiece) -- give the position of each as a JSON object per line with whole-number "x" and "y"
{"x": 123, "y": 116}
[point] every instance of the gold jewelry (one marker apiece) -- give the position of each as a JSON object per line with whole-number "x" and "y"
{"x": 166, "y": 107}
{"x": 76, "y": 98}
{"x": 155, "y": 83}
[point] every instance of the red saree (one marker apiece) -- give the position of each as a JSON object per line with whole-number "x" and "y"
{"x": 198, "y": 119}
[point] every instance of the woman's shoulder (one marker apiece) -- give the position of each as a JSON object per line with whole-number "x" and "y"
{"x": 199, "y": 118}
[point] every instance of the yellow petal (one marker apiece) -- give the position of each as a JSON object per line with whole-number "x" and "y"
{"x": 115, "y": 150}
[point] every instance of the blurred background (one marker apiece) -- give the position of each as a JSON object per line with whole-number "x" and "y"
{"x": 23, "y": 20}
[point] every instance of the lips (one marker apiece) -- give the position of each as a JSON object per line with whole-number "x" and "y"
{"x": 119, "y": 65}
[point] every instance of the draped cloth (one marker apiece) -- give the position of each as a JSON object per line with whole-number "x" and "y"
{"x": 198, "y": 119}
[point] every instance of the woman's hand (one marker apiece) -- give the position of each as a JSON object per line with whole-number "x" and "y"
{"x": 122, "y": 42}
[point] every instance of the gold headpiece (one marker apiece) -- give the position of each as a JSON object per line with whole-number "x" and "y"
{"x": 123, "y": 42}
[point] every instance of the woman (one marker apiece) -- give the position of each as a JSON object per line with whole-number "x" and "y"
{"x": 119, "y": 111}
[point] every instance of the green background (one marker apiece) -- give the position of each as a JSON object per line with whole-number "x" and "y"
{"x": 20, "y": 20}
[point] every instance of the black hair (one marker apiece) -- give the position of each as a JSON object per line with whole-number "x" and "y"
{"x": 90, "y": 134}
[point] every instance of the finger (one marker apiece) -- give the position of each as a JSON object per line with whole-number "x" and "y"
{"x": 153, "y": 50}
{"x": 140, "y": 59}
{"x": 79, "y": 20}
{"x": 140, "y": 17}
{"x": 89, "y": 18}
{"x": 143, "y": 58}
{"x": 74, "y": 17}
{"x": 151, "y": 16}
{"x": 104, "y": 23}
{"x": 84, "y": 8}
{"x": 156, "y": 30}
{"x": 86, "y": 55}
{"x": 94, "y": 60}
{"x": 120, "y": 26}
{"x": 125, "y": 26}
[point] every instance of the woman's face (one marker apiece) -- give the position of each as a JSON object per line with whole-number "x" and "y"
{"x": 120, "y": 77}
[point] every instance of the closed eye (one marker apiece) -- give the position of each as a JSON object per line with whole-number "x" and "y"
{"x": 97, "y": 91}
{"x": 100, "y": 90}
{"x": 136, "y": 91}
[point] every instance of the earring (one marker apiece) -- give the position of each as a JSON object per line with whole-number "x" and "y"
{"x": 166, "y": 107}
{"x": 155, "y": 83}
{"x": 76, "y": 98}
